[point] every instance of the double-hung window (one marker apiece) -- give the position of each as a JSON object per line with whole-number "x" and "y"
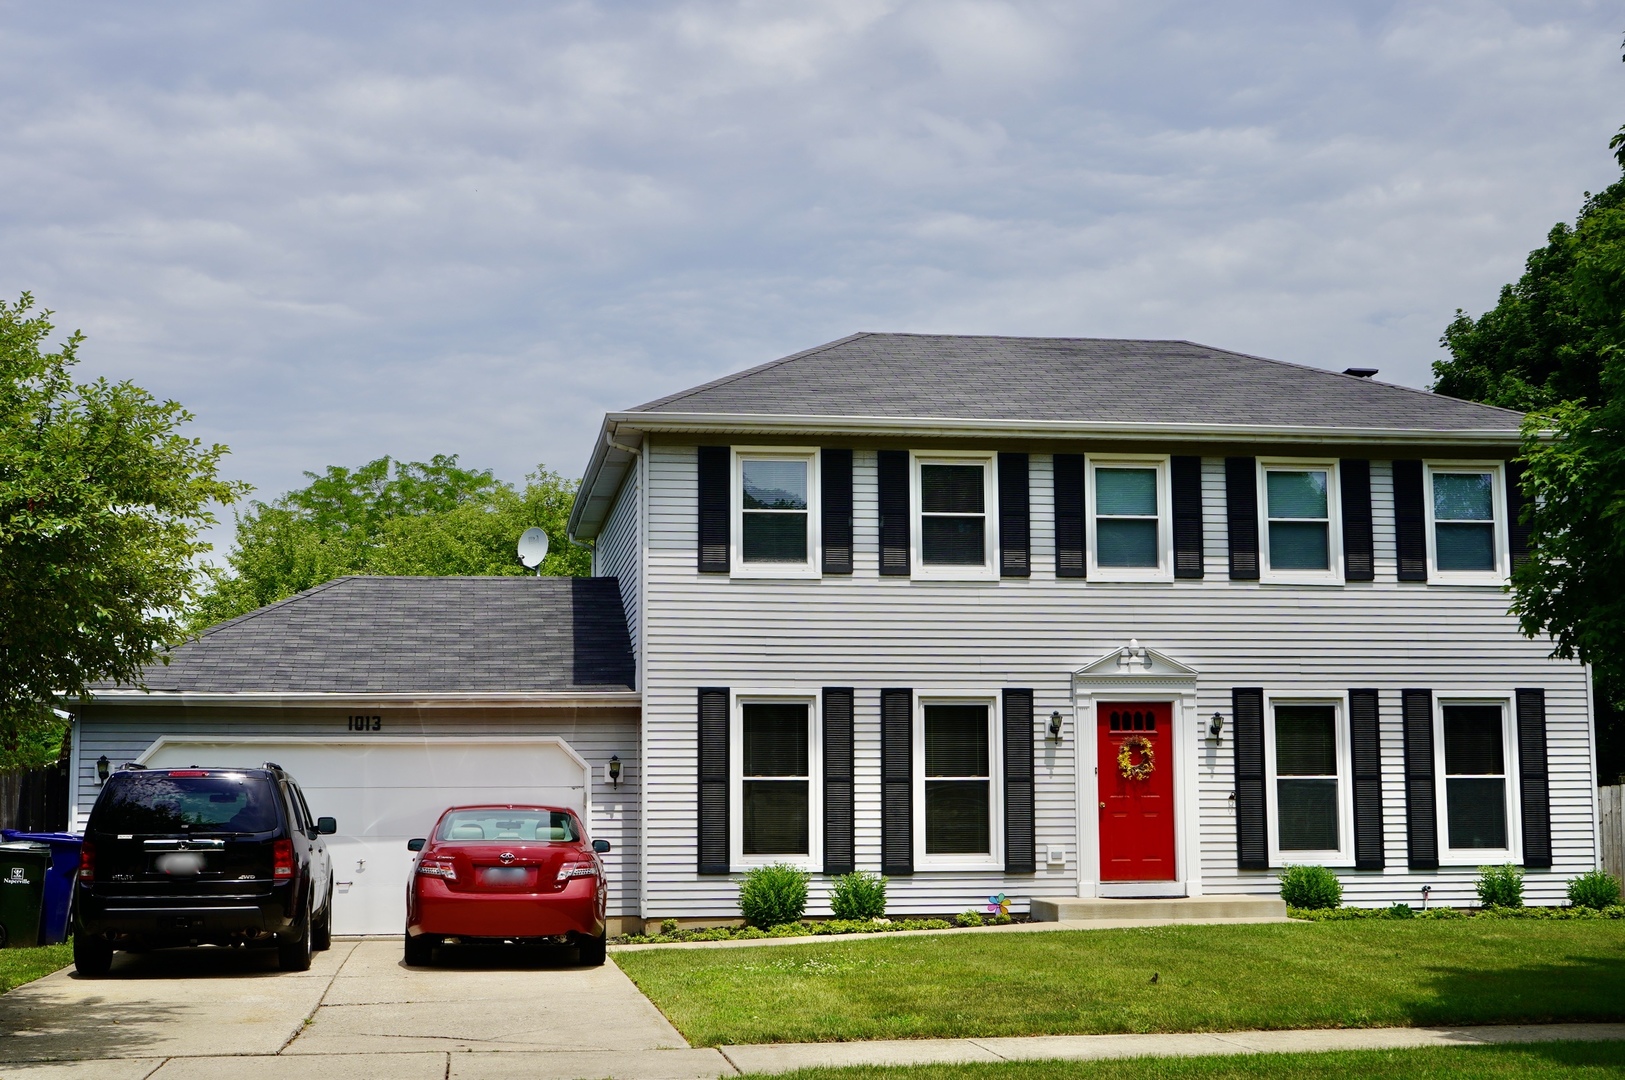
{"x": 956, "y": 819}
{"x": 775, "y": 508}
{"x": 775, "y": 758}
{"x": 1477, "y": 806}
{"x": 1302, "y": 541}
{"x": 1130, "y": 538}
{"x": 1465, "y": 508}
{"x": 1311, "y": 785}
{"x": 955, "y": 529}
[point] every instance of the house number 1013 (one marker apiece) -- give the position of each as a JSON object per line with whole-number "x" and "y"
{"x": 366, "y": 723}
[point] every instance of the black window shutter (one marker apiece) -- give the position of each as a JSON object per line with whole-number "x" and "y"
{"x": 1410, "y": 522}
{"x": 713, "y": 831}
{"x": 1365, "y": 739}
{"x": 1241, "y": 514}
{"x": 1069, "y": 525}
{"x": 835, "y": 508}
{"x": 1421, "y": 815}
{"x": 1186, "y": 484}
{"x": 1354, "y": 477}
{"x": 840, "y": 856}
{"x": 1014, "y": 517}
{"x": 1517, "y": 531}
{"x": 892, "y": 468}
{"x": 897, "y": 781}
{"x": 715, "y": 519}
{"x": 1020, "y": 840}
{"x": 1247, "y": 718}
{"x": 1533, "y": 792}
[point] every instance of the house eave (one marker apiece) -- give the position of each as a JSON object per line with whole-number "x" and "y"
{"x": 271, "y": 699}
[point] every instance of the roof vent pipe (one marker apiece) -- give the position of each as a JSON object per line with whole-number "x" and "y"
{"x": 1360, "y": 372}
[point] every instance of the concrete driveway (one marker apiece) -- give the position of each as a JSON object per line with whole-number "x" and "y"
{"x": 357, "y": 1013}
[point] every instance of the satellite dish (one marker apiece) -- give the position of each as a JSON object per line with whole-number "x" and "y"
{"x": 532, "y": 548}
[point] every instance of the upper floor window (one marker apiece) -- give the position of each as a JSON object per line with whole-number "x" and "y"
{"x": 1464, "y": 513}
{"x": 1130, "y": 538}
{"x": 1301, "y": 537}
{"x": 954, "y": 531}
{"x": 775, "y": 512}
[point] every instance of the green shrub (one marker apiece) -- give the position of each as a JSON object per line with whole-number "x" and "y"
{"x": 1500, "y": 886}
{"x": 773, "y": 895}
{"x": 1596, "y": 889}
{"x": 969, "y": 917}
{"x": 1310, "y": 887}
{"x": 1401, "y": 911}
{"x": 668, "y": 926}
{"x": 858, "y": 896}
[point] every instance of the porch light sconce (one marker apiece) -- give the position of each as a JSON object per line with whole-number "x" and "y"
{"x": 615, "y": 770}
{"x": 102, "y": 767}
{"x": 1215, "y": 726}
{"x": 1055, "y": 725}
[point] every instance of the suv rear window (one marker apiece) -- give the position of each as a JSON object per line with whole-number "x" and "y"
{"x": 134, "y": 802}
{"x": 471, "y": 826}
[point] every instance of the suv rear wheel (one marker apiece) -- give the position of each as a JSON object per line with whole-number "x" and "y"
{"x": 92, "y": 956}
{"x": 293, "y": 952}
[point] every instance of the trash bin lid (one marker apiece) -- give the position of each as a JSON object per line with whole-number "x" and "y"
{"x": 43, "y": 837}
{"x": 26, "y": 845}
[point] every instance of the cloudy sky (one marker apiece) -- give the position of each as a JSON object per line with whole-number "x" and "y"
{"x": 341, "y": 231}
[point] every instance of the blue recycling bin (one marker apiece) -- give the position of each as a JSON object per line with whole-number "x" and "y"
{"x": 58, "y": 880}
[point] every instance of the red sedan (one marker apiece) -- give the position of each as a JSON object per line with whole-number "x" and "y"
{"x": 506, "y": 874}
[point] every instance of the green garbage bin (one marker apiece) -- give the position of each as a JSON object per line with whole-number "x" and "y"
{"x": 22, "y": 892}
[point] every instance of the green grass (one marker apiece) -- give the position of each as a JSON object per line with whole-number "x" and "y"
{"x": 1209, "y": 978}
{"x": 1570, "y": 1061}
{"x": 18, "y": 966}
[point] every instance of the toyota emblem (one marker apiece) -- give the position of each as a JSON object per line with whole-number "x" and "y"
{"x": 506, "y": 856}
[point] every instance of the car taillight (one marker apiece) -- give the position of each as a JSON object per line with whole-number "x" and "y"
{"x": 568, "y": 870}
{"x": 440, "y": 868}
{"x": 282, "y": 858}
{"x": 87, "y": 861}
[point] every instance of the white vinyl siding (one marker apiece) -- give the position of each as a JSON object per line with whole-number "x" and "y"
{"x": 617, "y": 553}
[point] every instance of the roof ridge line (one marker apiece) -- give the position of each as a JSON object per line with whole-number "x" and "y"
{"x": 726, "y": 379}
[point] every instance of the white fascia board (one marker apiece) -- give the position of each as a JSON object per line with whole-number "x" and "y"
{"x": 276, "y": 699}
{"x": 612, "y": 459}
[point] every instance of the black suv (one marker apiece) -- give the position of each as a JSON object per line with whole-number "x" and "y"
{"x": 202, "y": 856}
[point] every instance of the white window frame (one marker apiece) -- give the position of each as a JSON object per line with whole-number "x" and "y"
{"x": 1333, "y": 574}
{"x": 814, "y": 859}
{"x": 1497, "y": 576}
{"x": 1513, "y": 852}
{"x": 813, "y": 567}
{"x": 989, "y": 570}
{"x": 1164, "y": 570}
{"x": 1343, "y": 854}
{"x": 994, "y": 860}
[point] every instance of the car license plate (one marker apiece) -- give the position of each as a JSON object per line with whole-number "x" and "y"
{"x": 180, "y": 863}
{"x": 505, "y": 875}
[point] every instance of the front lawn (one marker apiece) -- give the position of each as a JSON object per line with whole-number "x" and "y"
{"x": 1556, "y": 1061}
{"x": 18, "y": 966}
{"x": 1208, "y": 978}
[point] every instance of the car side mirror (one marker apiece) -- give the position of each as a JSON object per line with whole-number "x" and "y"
{"x": 327, "y": 826}
{"x": 601, "y": 846}
{"x": 416, "y": 843}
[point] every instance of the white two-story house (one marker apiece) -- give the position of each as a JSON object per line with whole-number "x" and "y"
{"x": 1075, "y": 617}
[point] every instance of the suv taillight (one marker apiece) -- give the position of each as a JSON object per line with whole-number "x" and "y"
{"x": 282, "y": 858}
{"x": 87, "y": 862}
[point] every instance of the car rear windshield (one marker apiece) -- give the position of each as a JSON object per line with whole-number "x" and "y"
{"x": 136, "y": 802}
{"x": 507, "y": 825}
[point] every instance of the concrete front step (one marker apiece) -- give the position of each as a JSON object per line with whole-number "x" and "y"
{"x": 1182, "y": 908}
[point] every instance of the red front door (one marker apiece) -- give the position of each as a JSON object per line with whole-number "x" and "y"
{"x": 1136, "y": 791}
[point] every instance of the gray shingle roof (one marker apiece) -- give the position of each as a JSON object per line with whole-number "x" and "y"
{"x": 1071, "y": 379}
{"x": 416, "y": 635}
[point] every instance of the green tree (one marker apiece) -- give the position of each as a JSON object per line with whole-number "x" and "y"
{"x": 389, "y": 517}
{"x": 101, "y": 503}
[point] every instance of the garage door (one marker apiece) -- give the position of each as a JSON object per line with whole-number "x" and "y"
{"x": 386, "y": 790}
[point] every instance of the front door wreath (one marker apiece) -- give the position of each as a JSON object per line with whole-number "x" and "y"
{"x": 1131, "y": 769}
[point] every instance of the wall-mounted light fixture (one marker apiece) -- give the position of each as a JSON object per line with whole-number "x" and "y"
{"x": 102, "y": 769}
{"x": 615, "y": 770}
{"x": 1055, "y": 724}
{"x": 1215, "y": 726}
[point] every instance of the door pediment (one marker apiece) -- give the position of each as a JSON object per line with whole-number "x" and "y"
{"x": 1134, "y": 665}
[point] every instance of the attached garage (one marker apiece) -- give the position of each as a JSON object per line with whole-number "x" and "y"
{"x": 390, "y": 699}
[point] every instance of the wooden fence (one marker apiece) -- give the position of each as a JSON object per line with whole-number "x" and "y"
{"x": 1611, "y": 801}
{"x": 35, "y": 800}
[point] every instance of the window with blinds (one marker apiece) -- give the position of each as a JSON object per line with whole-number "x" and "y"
{"x": 1475, "y": 777}
{"x": 776, "y": 778}
{"x": 1307, "y": 780}
{"x": 953, "y": 515}
{"x": 958, "y": 784}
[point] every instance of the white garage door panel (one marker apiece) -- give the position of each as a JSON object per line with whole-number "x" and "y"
{"x": 386, "y": 790}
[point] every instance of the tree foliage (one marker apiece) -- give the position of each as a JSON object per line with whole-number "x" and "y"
{"x": 389, "y": 517}
{"x": 101, "y": 503}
